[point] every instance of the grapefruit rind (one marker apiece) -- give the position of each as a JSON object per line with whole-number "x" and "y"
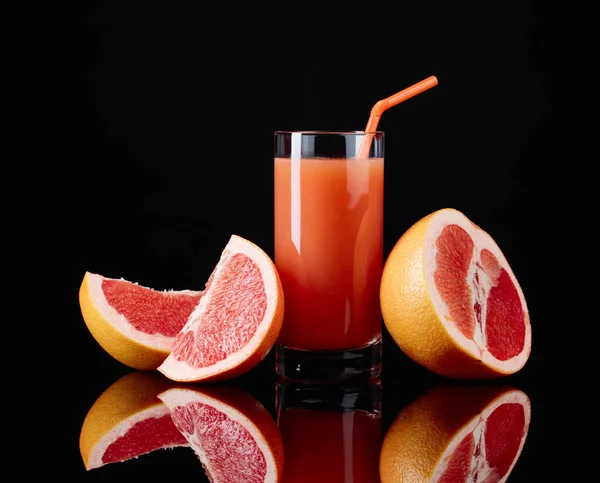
{"x": 263, "y": 339}
{"x": 255, "y": 419}
{"x": 115, "y": 334}
{"x": 417, "y": 318}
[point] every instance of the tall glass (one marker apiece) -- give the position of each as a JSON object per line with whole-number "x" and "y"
{"x": 329, "y": 253}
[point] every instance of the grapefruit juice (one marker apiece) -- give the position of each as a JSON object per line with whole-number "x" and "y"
{"x": 329, "y": 251}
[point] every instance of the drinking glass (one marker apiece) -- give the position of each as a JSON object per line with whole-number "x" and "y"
{"x": 329, "y": 253}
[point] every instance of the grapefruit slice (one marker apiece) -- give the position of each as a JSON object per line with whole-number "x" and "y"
{"x": 128, "y": 420}
{"x": 232, "y": 433}
{"x": 451, "y": 301}
{"x": 457, "y": 434}
{"x": 136, "y": 325}
{"x": 237, "y": 321}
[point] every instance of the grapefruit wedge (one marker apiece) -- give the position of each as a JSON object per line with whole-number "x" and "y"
{"x": 451, "y": 301}
{"x": 128, "y": 420}
{"x": 136, "y": 325}
{"x": 232, "y": 433}
{"x": 237, "y": 321}
{"x": 457, "y": 434}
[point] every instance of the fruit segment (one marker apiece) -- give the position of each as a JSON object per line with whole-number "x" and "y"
{"x": 237, "y": 321}
{"x": 136, "y": 325}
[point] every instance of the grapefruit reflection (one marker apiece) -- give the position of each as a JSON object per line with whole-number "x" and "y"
{"x": 233, "y": 435}
{"x": 457, "y": 434}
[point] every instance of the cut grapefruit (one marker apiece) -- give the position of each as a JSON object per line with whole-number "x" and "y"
{"x": 136, "y": 325}
{"x": 451, "y": 301}
{"x": 128, "y": 420}
{"x": 232, "y": 433}
{"x": 457, "y": 434}
{"x": 237, "y": 321}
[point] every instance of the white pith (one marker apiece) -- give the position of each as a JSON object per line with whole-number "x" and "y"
{"x": 173, "y": 398}
{"x": 120, "y": 322}
{"x": 482, "y": 240}
{"x": 476, "y": 426}
{"x": 180, "y": 370}
{"x": 156, "y": 411}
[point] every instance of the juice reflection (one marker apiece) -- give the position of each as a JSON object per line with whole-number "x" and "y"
{"x": 331, "y": 433}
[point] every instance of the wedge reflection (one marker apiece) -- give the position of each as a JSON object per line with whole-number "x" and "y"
{"x": 331, "y": 433}
{"x": 456, "y": 434}
{"x": 234, "y": 436}
{"x": 128, "y": 420}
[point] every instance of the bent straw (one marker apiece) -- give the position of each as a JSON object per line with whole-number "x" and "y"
{"x": 384, "y": 104}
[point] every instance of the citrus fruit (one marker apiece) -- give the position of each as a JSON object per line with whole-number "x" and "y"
{"x": 237, "y": 321}
{"x": 128, "y": 420}
{"x": 451, "y": 301}
{"x": 232, "y": 433}
{"x": 136, "y": 325}
{"x": 457, "y": 434}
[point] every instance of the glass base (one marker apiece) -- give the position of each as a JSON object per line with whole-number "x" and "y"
{"x": 328, "y": 366}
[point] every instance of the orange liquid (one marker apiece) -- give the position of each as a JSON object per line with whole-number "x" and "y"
{"x": 330, "y": 446}
{"x": 329, "y": 251}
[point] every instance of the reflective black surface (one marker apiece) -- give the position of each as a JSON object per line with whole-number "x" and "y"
{"x": 402, "y": 383}
{"x": 169, "y": 136}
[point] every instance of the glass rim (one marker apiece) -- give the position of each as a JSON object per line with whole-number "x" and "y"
{"x": 325, "y": 132}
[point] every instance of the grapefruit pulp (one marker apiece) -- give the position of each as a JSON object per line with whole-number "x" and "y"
{"x": 232, "y": 433}
{"x": 128, "y": 420}
{"x": 457, "y": 434}
{"x": 451, "y": 301}
{"x": 237, "y": 321}
{"x": 136, "y": 325}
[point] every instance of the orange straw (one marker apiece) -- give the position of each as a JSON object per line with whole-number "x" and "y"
{"x": 384, "y": 104}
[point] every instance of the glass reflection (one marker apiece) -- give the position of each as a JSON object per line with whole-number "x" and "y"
{"x": 331, "y": 432}
{"x": 457, "y": 433}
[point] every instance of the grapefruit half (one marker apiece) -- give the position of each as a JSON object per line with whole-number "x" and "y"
{"x": 451, "y": 301}
{"x": 232, "y": 433}
{"x": 457, "y": 434}
{"x": 128, "y": 420}
{"x": 136, "y": 325}
{"x": 237, "y": 321}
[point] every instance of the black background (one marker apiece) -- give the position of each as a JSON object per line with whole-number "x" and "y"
{"x": 171, "y": 114}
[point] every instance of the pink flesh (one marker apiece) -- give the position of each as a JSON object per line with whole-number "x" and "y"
{"x": 231, "y": 451}
{"x": 503, "y": 435}
{"x": 237, "y": 306}
{"x": 145, "y": 436}
{"x": 459, "y": 465}
{"x": 150, "y": 311}
{"x": 505, "y": 318}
